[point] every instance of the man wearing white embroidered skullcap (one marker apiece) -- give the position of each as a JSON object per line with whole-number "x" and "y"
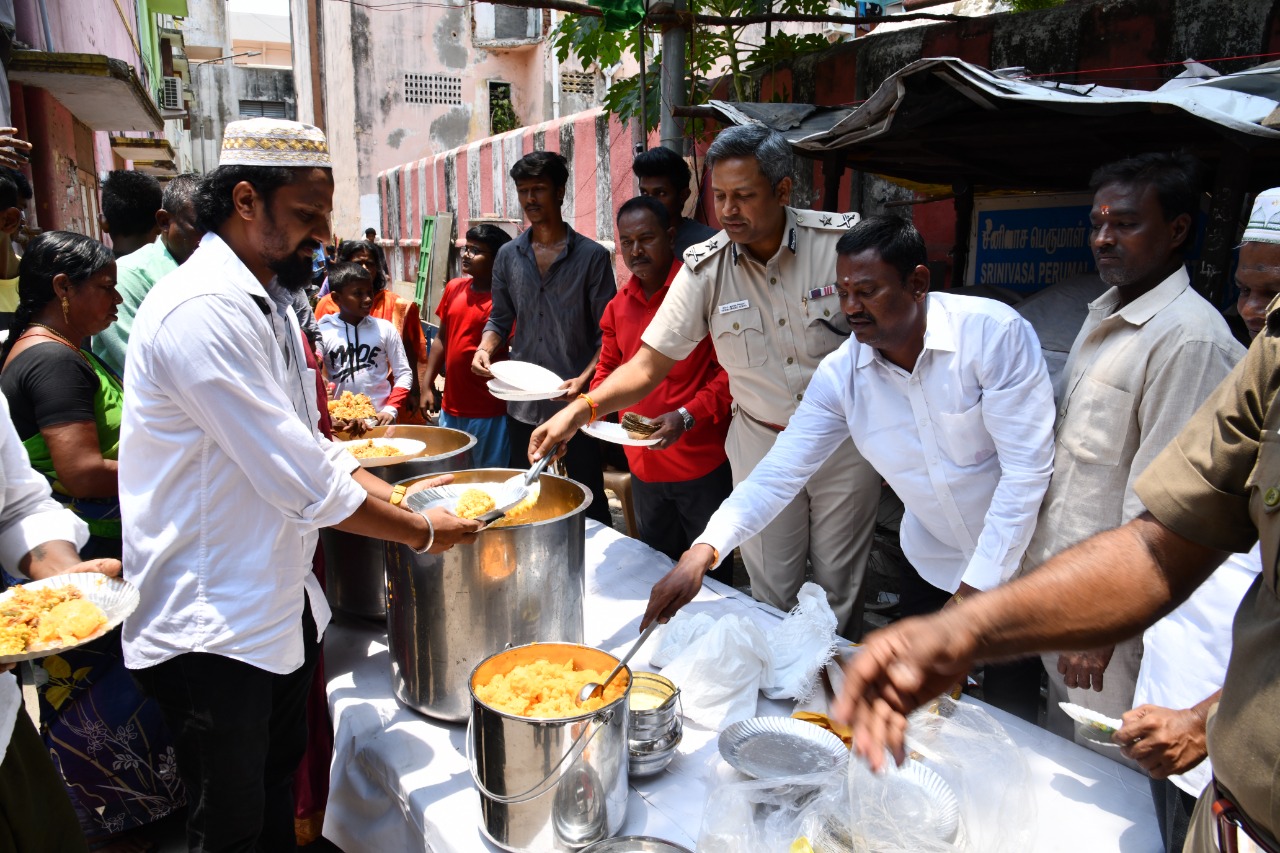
{"x": 1258, "y": 265}
{"x": 225, "y": 482}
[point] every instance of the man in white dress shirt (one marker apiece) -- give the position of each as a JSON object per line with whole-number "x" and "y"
{"x": 946, "y": 396}
{"x": 38, "y": 539}
{"x": 225, "y": 482}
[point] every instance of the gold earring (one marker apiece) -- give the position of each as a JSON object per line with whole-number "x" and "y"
{"x": 66, "y": 310}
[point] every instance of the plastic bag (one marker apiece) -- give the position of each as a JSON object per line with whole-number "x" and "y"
{"x": 855, "y": 811}
{"x": 799, "y": 646}
{"x": 767, "y": 815}
{"x": 720, "y": 674}
{"x": 678, "y": 634}
{"x": 964, "y": 745}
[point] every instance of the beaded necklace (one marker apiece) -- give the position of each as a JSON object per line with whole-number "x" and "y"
{"x": 57, "y": 337}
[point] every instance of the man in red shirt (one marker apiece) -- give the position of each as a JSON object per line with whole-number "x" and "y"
{"x": 679, "y": 482}
{"x": 463, "y": 311}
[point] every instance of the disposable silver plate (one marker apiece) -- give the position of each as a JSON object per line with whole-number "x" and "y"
{"x": 770, "y": 747}
{"x": 117, "y": 598}
{"x": 447, "y": 496}
{"x": 635, "y": 844}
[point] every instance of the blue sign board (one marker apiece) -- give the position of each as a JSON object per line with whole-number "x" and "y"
{"x": 1025, "y": 243}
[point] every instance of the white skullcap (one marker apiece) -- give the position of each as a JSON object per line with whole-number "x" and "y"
{"x": 1264, "y": 219}
{"x": 274, "y": 142}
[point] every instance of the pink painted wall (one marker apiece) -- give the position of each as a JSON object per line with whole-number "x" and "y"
{"x": 83, "y": 26}
{"x": 472, "y": 182}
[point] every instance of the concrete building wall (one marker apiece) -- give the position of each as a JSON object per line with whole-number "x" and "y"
{"x": 382, "y": 69}
{"x": 66, "y": 177}
{"x": 267, "y": 84}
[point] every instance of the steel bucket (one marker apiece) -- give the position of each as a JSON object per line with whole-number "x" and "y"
{"x": 512, "y": 585}
{"x": 355, "y": 566}
{"x": 548, "y": 784}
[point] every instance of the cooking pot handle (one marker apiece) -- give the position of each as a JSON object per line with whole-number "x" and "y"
{"x": 553, "y": 778}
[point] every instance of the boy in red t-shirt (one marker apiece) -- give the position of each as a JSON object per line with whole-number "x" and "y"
{"x": 463, "y": 312}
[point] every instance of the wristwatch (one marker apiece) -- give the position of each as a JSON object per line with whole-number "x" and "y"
{"x": 686, "y": 417}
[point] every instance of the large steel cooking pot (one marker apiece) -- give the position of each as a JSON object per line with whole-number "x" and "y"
{"x": 355, "y": 576}
{"x": 549, "y": 784}
{"x": 512, "y": 585}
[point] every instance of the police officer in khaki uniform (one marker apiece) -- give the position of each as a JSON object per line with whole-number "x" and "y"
{"x": 764, "y": 289}
{"x": 1215, "y": 488}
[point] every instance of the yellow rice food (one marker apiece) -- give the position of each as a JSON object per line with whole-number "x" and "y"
{"x": 352, "y": 407}
{"x": 547, "y": 691}
{"x": 369, "y": 450}
{"x": 474, "y": 503}
{"x": 58, "y": 615}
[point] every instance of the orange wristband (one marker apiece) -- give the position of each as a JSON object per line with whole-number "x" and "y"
{"x": 592, "y": 404}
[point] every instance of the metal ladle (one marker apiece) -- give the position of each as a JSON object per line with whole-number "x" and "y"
{"x": 591, "y": 690}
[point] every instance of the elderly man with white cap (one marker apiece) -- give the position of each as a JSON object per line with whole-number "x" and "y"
{"x": 225, "y": 482}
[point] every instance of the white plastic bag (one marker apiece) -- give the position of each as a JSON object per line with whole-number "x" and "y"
{"x": 767, "y": 815}
{"x": 720, "y": 673}
{"x": 986, "y": 770}
{"x": 800, "y": 645}
{"x": 678, "y": 634}
{"x": 854, "y": 810}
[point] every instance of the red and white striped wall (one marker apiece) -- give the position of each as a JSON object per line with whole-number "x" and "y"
{"x": 473, "y": 183}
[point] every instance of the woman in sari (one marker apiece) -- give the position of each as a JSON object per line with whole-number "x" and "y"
{"x": 400, "y": 312}
{"x": 108, "y": 742}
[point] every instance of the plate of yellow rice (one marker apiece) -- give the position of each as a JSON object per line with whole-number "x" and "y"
{"x": 472, "y": 500}
{"x": 376, "y": 452}
{"x": 46, "y": 616}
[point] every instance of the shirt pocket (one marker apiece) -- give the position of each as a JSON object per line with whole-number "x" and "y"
{"x": 964, "y": 437}
{"x": 828, "y": 326}
{"x": 739, "y": 338}
{"x": 1097, "y": 423}
{"x": 1263, "y": 487}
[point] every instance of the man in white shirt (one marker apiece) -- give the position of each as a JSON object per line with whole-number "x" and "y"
{"x": 38, "y": 539}
{"x": 1149, "y": 353}
{"x": 225, "y": 482}
{"x": 946, "y": 396}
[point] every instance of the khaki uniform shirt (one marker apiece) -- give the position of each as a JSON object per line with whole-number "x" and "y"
{"x": 771, "y": 323}
{"x": 1218, "y": 484}
{"x": 1135, "y": 376}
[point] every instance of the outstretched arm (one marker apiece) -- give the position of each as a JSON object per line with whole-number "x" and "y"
{"x": 903, "y": 666}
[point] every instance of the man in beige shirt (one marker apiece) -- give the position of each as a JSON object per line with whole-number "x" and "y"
{"x": 764, "y": 289}
{"x": 1149, "y": 353}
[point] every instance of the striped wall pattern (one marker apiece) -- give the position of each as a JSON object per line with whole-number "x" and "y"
{"x": 472, "y": 182}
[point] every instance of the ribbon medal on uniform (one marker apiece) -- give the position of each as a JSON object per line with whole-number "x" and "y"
{"x": 820, "y": 292}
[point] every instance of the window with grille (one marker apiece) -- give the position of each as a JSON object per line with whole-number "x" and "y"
{"x": 578, "y": 83}
{"x": 262, "y": 109}
{"x": 432, "y": 89}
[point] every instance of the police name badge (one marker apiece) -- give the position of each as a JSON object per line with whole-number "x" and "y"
{"x": 733, "y": 306}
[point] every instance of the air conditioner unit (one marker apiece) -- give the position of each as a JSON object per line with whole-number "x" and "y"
{"x": 171, "y": 93}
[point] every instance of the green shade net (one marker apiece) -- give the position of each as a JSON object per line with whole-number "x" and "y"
{"x": 620, "y": 15}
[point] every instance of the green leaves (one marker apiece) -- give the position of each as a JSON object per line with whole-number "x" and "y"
{"x": 714, "y": 53}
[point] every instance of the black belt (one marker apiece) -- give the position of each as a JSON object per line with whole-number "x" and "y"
{"x": 1231, "y": 821}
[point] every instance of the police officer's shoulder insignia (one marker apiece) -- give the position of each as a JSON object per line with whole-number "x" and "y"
{"x": 827, "y": 221}
{"x": 697, "y": 254}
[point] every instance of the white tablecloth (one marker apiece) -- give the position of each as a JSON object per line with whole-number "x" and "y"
{"x": 400, "y": 780}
